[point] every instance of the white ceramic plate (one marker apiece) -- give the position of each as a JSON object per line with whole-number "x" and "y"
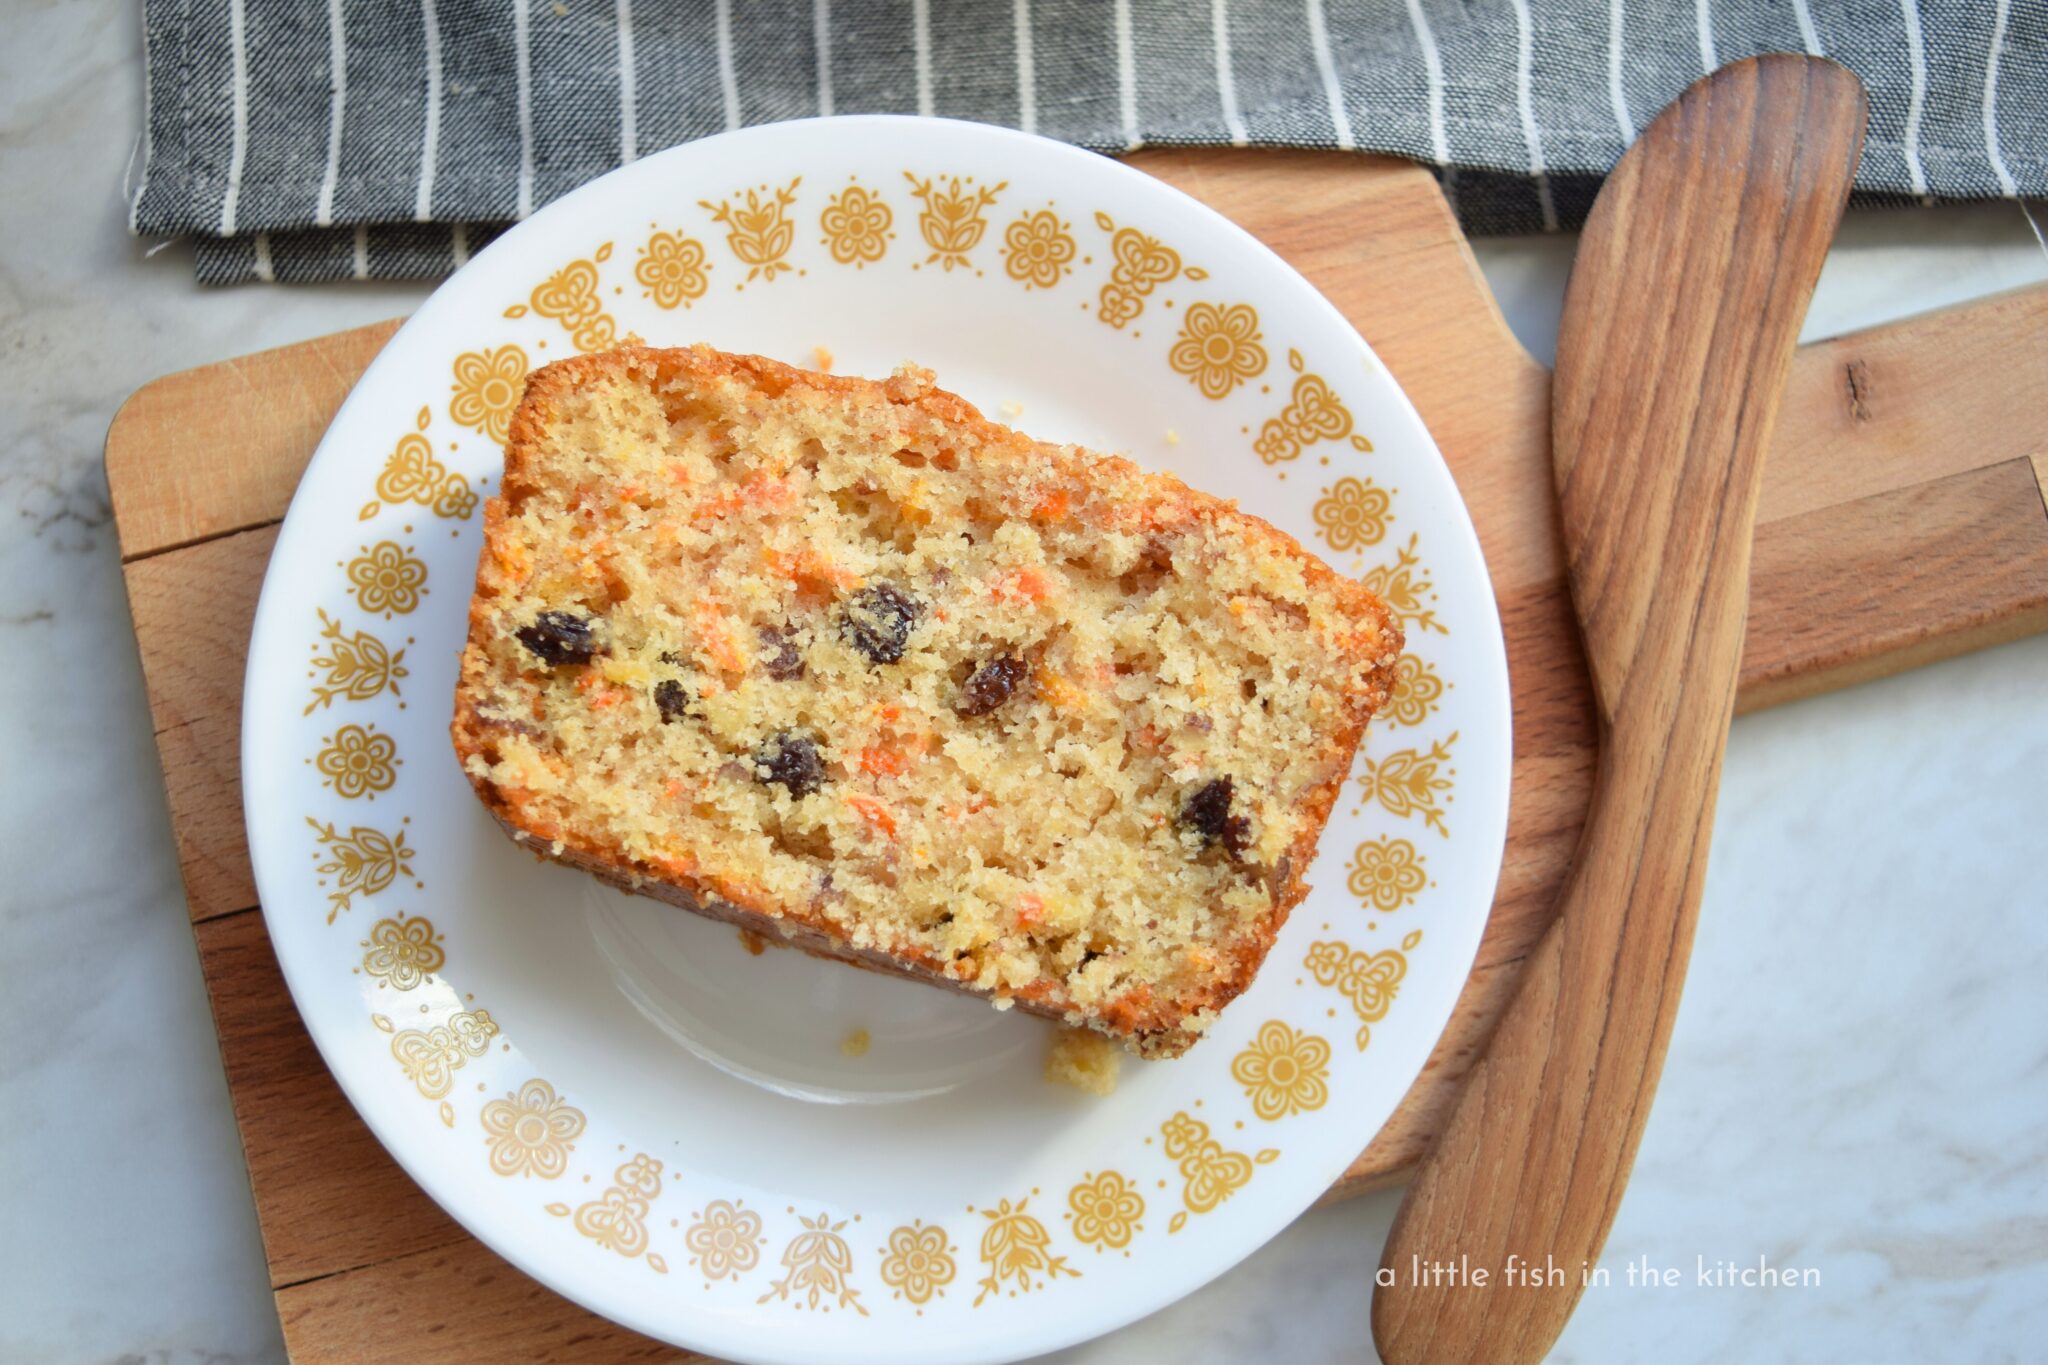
{"x": 618, "y": 1097}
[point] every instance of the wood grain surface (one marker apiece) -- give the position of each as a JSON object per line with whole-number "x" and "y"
{"x": 200, "y": 466}
{"x": 1692, "y": 277}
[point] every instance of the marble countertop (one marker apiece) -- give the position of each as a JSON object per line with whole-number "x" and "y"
{"x": 1854, "y": 1084}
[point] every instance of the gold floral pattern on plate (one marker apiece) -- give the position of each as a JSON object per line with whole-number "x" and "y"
{"x": 1386, "y": 874}
{"x": 1219, "y": 347}
{"x": 387, "y": 579}
{"x": 403, "y": 952}
{"x": 1103, "y": 1211}
{"x": 1413, "y": 782}
{"x": 759, "y": 231}
{"x": 362, "y": 862}
{"x": 1407, "y": 589}
{"x": 1210, "y": 1172}
{"x": 430, "y": 1057}
{"x": 1313, "y": 413}
{"x": 531, "y": 1131}
{"x": 1353, "y": 514}
{"x": 918, "y": 1264}
{"x": 1418, "y": 690}
{"x": 952, "y": 222}
{"x": 487, "y": 386}
{"x": 856, "y": 223}
{"x": 1038, "y": 249}
{"x": 1283, "y": 1071}
{"x": 1139, "y": 264}
{"x": 1368, "y": 980}
{"x": 411, "y": 474}
{"x": 359, "y": 667}
{"x": 617, "y": 1219}
{"x": 1016, "y": 1246}
{"x": 672, "y": 270}
{"x": 569, "y": 297}
{"x": 724, "y": 1240}
{"x": 820, "y": 1264}
{"x": 357, "y": 762}
{"x": 1117, "y": 1210}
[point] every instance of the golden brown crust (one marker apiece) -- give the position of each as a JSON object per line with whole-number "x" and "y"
{"x": 1151, "y": 1025}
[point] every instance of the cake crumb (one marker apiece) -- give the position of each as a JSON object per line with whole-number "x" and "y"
{"x": 883, "y": 679}
{"x": 753, "y": 942}
{"x": 821, "y": 359}
{"x": 855, "y": 1044}
{"x": 1086, "y": 1061}
{"x": 1012, "y": 410}
{"x": 1172, "y": 437}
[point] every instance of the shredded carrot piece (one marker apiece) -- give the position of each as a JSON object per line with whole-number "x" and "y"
{"x": 884, "y": 762}
{"x": 810, "y": 570}
{"x": 514, "y": 558}
{"x": 1052, "y": 507}
{"x": 1024, "y": 583}
{"x": 1030, "y": 909}
{"x": 874, "y": 812}
{"x": 913, "y": 505}
{"x": 717, "y": 505}
{"x": 765, "y": 489}
{"x": 1057, "y": 689}
{"x": 591, "y": 682}
{"x": 718, "y": 640}
{"x": 673, "y": 788}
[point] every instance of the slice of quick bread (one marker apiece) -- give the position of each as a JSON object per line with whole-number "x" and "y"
{"x": 841, "y": 662}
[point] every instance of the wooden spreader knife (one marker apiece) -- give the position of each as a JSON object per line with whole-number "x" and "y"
{"x": 1685, "y": 301}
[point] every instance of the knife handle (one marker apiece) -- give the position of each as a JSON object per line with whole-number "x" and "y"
{"x": 1685, "y": 301}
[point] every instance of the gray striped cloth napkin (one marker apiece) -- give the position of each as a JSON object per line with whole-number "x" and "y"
{"x": 390, "y": 138}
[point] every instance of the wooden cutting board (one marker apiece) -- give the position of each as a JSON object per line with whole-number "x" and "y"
{"x": 1903, "y": 520}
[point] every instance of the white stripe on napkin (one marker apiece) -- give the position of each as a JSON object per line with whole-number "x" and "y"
{"x": 1027, "y": 74}
{"x": 1326, "y": 67}
{"x": 1998, "y": 167}
{"x": 728, "y": 79}
{"x": 1525, "y": 105}
{"x": 523, "y": 68}
{"x": 1916, "y": 100}
{"x": 1615, "y": 94}
{"x": 1126, "y": 76}
{"x": 1226, "y": 80}
{"x": 430, "y": 139}
{"x": 921, "y": 40}
{"x": 238, "y": 148}
{"x": 337, "y": 103}
{"x": 629, "y": 88}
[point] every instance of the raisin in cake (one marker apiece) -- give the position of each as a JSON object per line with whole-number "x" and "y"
{"x": 844, "y": 663}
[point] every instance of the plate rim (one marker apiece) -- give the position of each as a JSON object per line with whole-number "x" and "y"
{"x": 1146, "y": 1295}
